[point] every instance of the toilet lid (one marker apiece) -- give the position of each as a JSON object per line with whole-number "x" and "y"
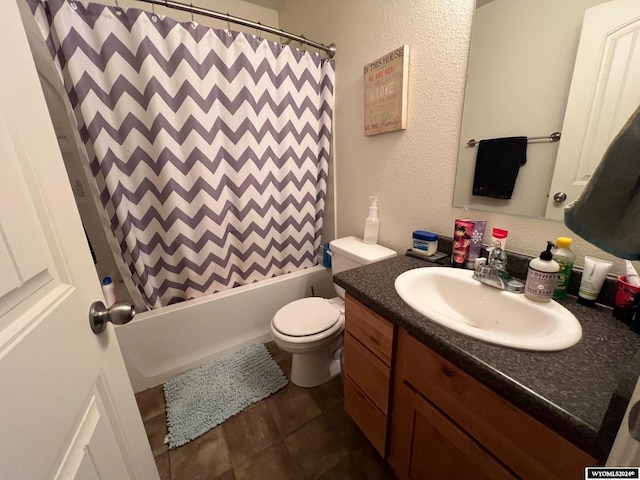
{"x": 307, "y": 316}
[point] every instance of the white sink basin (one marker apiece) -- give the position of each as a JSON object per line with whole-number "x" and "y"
{"x": 450, "y": 297}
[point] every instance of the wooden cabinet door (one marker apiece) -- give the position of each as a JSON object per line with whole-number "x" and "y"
{"x": 426, "y": 444}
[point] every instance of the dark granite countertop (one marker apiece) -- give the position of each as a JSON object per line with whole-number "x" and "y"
{"x": 581, "y": 393}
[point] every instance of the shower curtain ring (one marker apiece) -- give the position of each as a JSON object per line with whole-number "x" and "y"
{"x": 118, "y": 9}
{"x": 228, "y": 25}
{"x": 153, "y": 13}
{"x": 258, "y": 31}
{"x": 193, "y": 22}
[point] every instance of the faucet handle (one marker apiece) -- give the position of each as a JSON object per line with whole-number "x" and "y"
{"x": 515, "y": 286}
{"x": 478, "y": 262}
{"x": 482, "y": 271}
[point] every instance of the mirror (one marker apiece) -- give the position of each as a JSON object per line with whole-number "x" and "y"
{"x": 521, "y": 63}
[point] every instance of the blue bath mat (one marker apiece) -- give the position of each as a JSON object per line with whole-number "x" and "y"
{"x": 206, "y": 396}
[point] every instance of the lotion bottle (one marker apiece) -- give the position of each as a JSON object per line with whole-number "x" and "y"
{"x": 372, "y": 223}
{"x": 542, "y": 276}
{"x": 109, "y": 292}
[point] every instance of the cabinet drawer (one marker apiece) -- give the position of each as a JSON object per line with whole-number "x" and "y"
{"x": 367, "y": 371}
{"x": 365, "y": 414}
{"x": 373, "y": 331}
{"x": 528, "y": 447}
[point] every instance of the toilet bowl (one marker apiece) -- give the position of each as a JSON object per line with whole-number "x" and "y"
{"x": 311, "y": 328}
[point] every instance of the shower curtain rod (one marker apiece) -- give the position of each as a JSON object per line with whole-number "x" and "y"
{"x": 330, "y": 49}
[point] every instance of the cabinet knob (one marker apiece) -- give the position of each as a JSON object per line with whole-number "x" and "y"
{"x": 447, "y": 371}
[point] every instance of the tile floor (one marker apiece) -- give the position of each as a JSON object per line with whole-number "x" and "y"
{"x": 295, "y": 434}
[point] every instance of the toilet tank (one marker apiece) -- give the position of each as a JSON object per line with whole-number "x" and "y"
{"x": 352, "y": 252}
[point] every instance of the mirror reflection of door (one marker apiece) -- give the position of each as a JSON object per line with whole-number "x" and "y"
{"x": 605, "y": 91}
{"x": 521, "y": 63}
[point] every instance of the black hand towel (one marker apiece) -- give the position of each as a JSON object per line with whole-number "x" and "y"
{"x": 497, "y": 166}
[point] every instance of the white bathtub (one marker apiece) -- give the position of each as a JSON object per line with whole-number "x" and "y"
{"x": 160, "y": 344}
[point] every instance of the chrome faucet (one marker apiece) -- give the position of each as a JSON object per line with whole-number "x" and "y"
{"x": 494, "y": 273}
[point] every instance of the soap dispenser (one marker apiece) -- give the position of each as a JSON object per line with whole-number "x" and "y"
{"x": 372, "y": 223}
{"x": 542, "y": 276}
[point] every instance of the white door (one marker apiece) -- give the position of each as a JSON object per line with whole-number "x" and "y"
{"x": 66, "y": 406}
{"x": 605, "y": 91}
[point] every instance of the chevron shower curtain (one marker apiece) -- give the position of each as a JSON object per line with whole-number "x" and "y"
{"x": 209, "y": 148}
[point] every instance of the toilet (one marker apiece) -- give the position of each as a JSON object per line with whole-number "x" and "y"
{"x": 311, "y": 328}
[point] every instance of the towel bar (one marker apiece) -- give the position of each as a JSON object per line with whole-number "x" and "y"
{"x": 554, "y": 137}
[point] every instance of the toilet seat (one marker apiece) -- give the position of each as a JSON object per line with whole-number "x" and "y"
{"x": 306, "y": 317}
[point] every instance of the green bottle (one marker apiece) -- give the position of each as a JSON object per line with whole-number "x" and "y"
{"x": 565, "y": 258}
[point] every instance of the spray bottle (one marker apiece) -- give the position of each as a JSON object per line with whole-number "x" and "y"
{"x": 372, "y": 223}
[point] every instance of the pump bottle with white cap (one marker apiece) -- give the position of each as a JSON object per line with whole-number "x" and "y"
{"x": 542, "y": 276}
{"x": 372, "y": 223}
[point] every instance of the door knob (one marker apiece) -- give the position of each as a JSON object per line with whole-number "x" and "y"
{"x": 119, "y": 313}
{"x": 559, "y": 197}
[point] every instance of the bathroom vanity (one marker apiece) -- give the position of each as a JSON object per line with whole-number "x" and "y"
{"x": 438, "y": 404}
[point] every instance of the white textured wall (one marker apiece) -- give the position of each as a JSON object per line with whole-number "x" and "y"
{"x": 412, "y": 172}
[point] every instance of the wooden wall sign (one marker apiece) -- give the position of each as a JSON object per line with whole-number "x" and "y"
{"x": 385, "y": 92}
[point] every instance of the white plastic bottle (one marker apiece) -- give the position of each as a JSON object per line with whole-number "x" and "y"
{"x": 542, "y": 276}
{"x": 109, "y": 291}
{"x": 372, "y": 223}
